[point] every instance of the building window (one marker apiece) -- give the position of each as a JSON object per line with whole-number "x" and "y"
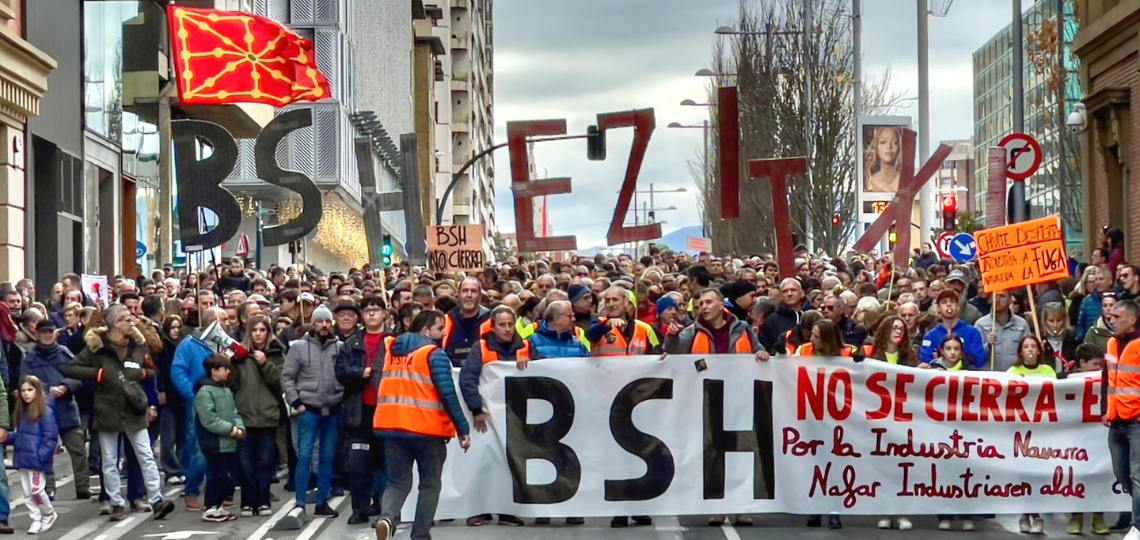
{"x": 103, "y": 68}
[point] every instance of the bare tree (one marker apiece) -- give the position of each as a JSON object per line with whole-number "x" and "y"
{"x": 771, "y": 59}
{"x": 1048, "y": 52}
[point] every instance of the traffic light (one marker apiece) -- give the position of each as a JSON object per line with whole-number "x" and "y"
{"x": 835, "y": 219}
{"x": 893, "y": 236}
{"x": 595, "y": 144}
{"x": 949, "y": 212}
{"x": 386, "y": 250}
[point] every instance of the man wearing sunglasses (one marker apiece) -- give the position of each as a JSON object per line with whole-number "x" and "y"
{"x": 1128, "y": 280}
{"x": 853, "y": 334}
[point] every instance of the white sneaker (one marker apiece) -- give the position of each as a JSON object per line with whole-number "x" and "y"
{"x": 885, "y": 523}
{"x": 905, "y": 524}
{"x": 1023, "y": 524}
{"x": 36, "y": 528}
{"x": 1038, "y": 526}
{"x": 946, "y": 525}
{"x": 967, "y": 524}
{"x": 1133, "y": 534}
{"x": 47, "y": 521}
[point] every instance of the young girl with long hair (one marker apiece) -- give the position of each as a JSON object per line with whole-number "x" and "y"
{"x": 35, "y": 440}
{"x": 1030, "y": 364}
{"x": 892, "y": 343}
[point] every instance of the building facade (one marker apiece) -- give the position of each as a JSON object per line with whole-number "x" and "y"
{"x": 24, "y": 77}
{"x": 465, "y": 122}
{"x": 1110, "y": 60}
{"x": 957, "y": 175}
{"x": 1052, "y": 90}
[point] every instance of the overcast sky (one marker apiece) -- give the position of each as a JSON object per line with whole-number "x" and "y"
{"x": 573, "y": 60}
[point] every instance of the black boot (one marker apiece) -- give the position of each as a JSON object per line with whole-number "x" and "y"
{"x": 834, "y": 523}
{"x": 620, "y": 522}
{"x": 814, "y": 521}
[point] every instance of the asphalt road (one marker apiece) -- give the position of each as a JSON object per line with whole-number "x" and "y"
{"x": 79, "y": 520}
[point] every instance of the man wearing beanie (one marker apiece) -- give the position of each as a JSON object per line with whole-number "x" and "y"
{"x": 311, "y": 388}
{"x": 584, "y": 304}
{"x": 347, "y": 320}
{"x": 739, "y": 296}
{"x": 667, "y": 315}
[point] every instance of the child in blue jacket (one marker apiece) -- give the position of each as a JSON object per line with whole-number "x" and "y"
{"x": 35, "y": 440}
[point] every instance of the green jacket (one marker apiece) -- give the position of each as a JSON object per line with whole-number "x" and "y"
{"x": 4, "y": 422}
{"x": 101, "y": 364}
{"x": 257, "y": 389}
{"x": 217, "y": 417}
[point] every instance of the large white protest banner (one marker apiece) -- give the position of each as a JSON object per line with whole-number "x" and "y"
{"x": 638, "y": 435}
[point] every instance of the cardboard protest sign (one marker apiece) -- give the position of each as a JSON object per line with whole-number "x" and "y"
{"x": 1022, "y": 254}
{"x": 698, "y": 243}
{"x": 455, "y": 247}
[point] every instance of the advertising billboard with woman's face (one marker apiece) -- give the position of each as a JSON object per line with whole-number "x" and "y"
{"x": 882, "y": 158}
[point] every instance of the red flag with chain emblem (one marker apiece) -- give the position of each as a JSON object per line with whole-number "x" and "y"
{"x": 234, "y": 57}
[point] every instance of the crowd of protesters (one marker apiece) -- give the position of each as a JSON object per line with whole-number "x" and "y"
{"x": 242, "y": 378}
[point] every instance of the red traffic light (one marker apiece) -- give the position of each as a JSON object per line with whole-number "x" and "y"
{"x": 949, "y": 203}
{"x": 835, "y": 220}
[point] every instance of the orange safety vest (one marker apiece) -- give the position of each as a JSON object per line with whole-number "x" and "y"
{"x": 1123, "y": 381}
{"x": 702, "y": 344}
{"x": 789, "y": 345}
{"x": 613, "y": 343}
{"x": 492, "y": 356}
{"x": 448, "y": 325}
{"x": 409, "y": 402}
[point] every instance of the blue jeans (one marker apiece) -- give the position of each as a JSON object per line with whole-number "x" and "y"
{"x": 1124, "y": 447}
{"x": 170, "y": 423}
{"x": 5, "y": 494}
{"x": 313, "y": 429}
{"x": 193, "y": 462}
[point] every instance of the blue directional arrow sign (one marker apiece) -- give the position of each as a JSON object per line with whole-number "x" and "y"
{"x": 963, "y": 248}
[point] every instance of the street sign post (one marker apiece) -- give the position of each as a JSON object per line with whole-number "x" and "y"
{"x": 963, "y": 248}
{"x": 942, "y": 245}
{"x": 1023, "y": 155}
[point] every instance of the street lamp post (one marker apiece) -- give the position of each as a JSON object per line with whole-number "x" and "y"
{"x": 704, "y": 149}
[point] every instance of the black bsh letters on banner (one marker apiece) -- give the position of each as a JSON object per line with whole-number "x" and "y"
{"x": 199, "y": 181}
{"x": 545, "y": 441}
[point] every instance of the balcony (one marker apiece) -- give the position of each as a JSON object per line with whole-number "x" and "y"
{"x": 459, "y": 43}
{"x": 460, "y": 127}
{"x": 459, "y": 4}
{"x": 459, "y": 85}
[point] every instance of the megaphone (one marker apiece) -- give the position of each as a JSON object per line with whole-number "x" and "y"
{"x": 217, "y": 339}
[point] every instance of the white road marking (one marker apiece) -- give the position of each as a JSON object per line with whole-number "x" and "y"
{"x": 315, "y": 525}
{"x": 668, "y": 528}
{"x": 729, "y": 531}
{"x": 264, "y": 528}
{"x": 85, "y": 528}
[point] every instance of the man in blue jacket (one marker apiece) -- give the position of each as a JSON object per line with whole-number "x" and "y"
{"x": 555, "y": 337}
{"x": 48, "y": 362}
{"x": 1090, "y": 309}
{"x": 948, "y": 308}
{"x": 189, "y": 367}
